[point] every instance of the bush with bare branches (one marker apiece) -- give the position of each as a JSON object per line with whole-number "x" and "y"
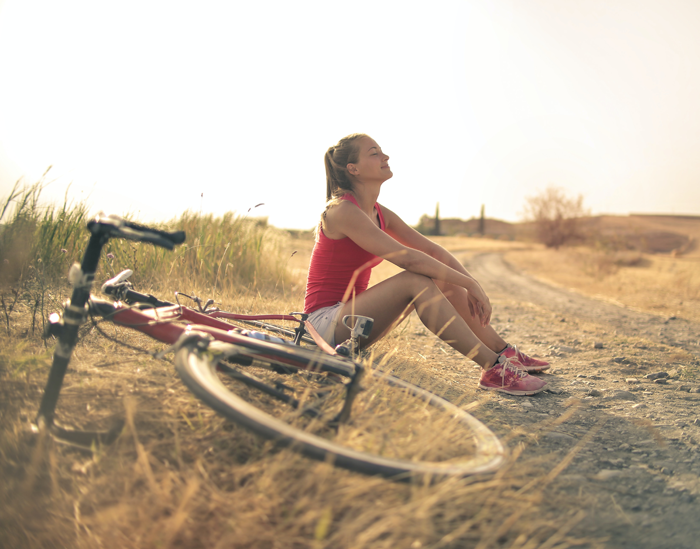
{"x": 555, "y": 216}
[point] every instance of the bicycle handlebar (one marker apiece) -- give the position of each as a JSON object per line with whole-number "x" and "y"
{"x": 115, "y": 226}
{"x": 102, "y": 228}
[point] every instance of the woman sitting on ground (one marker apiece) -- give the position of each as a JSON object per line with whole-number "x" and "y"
{"x": 356, "y": 233}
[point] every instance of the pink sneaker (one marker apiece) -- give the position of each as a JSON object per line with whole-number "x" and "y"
{"x": 529, "y": 364}
{"x": 507, "y": 377}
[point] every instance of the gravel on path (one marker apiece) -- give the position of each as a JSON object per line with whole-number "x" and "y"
{"x": 628, "y": 382}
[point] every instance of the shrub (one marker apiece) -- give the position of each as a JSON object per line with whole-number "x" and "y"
{"x": 555, "y": 216}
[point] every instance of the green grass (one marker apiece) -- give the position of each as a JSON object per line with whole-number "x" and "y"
{"x": 37, "y": 240}
{"x": 224, "y": 255}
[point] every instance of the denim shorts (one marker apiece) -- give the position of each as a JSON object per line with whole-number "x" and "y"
{"x": 324, "y": 321}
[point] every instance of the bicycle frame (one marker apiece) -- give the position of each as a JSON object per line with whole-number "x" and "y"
{"x": 168, "y": 324}
{"x": 121, "y": 289}
{"x": 360, "y": 326}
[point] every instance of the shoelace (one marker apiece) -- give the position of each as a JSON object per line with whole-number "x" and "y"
{"x": 518, "y": 354}
{"x": 507, "y": 364}
{"x": 524, "y": 359}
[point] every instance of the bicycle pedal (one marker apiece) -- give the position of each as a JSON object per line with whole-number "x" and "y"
{"x": 345, "y": 348}
{"x": 362, "y": 326}
{"x": 342, "y": 350}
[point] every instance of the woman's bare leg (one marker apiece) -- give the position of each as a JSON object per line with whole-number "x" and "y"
{"x": 391, "y": 300}
{"x": 457, "y": 296}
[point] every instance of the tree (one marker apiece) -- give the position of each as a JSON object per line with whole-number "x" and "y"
{"x": 437, "y": 220}
{"x": 482, "y": 222}
{"x": 555, "y": 216}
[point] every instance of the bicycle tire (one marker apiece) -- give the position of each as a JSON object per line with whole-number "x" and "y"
{"x": 198, "y": 367}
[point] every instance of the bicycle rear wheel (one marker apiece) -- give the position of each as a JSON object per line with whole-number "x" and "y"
{"x": 396, "y": 429}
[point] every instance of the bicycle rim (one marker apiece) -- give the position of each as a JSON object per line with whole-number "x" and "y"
{"x": 396, "y": 430}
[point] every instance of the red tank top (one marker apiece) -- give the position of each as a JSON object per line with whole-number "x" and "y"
{"x": 332, "y": 265}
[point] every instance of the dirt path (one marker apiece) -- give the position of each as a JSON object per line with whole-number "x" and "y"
{"x": 636, "y": 479}
{"x": 493, "y": 270}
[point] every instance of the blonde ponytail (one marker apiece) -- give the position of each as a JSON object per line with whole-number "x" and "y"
{"x": 336, "y": 160}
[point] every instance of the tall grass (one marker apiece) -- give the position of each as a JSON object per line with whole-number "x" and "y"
{"x": 38, "y": 238}
{"x": 226, "y": 254}
{"x": 231, "y": 253}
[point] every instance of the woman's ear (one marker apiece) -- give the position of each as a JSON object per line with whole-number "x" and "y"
{"x": 352, "y": 169}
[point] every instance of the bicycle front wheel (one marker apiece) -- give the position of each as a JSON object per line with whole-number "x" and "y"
{"x": 396, "y": 429}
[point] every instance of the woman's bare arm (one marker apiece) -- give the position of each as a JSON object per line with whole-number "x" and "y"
{"x": 409, "y": 237}
{"x": 346, "y": 219}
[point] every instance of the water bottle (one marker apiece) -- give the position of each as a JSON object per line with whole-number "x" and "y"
{"x": 264, "y": 337}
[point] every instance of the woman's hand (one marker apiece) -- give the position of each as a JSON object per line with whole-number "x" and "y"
{"x": 479, "y": 304}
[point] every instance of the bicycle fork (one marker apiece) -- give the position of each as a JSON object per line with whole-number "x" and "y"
{"x": 81, "y": 276}
{"x": 66, "y": 330}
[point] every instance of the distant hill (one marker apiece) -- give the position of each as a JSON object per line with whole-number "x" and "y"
{"x": 493, "y": 228}
{"x": 677, "y": 234}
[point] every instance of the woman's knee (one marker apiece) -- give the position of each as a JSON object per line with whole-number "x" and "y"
{"x": 418, "y": 283}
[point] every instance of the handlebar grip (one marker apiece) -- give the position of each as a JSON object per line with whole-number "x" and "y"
{"x": 176, "y": 237}
{"x": 115, "y": 226}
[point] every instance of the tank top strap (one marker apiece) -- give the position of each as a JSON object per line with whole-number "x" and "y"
{"x": 377, "y": 207}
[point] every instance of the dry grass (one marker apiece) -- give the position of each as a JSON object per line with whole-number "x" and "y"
{"x": 181, "y": 476}
{"x": 230, "y": 254}
{"x": 659, "y": 284}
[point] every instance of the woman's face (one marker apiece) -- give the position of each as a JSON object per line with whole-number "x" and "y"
{"x": 372, "y": 164}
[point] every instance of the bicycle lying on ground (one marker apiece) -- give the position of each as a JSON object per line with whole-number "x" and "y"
{"x": 314, "y": 400}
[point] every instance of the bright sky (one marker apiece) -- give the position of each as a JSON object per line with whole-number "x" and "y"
{"x": 142, "y": 106}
